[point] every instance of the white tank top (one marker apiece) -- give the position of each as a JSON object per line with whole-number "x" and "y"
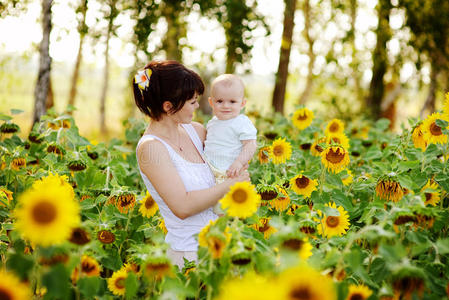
{"x": 195, "y": 176}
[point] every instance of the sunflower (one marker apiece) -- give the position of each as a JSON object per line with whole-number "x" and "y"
{"x": 348, "y": 178}
{"x": 263, "y": 226}
{"x": 105, "y": 236}
{"x": 418, "y": 138}
{"x": 432, "y": 132}
{"x": 202, "y": 241}
{"x": 162, "y": 226}
{"x": 125, "y": 202}
{"x": 6, "y": 196}
{"x": 337, "y": 138}
{"x": 132, "y": 267}
{"x": 281, "y": 150}
{"x": 149, "y": 207}
{"x": 54, "y": 180}
{"x": 431, "y": 198}
{"x": 18, "y": 163}
{"x": 335, "y": 126}
{"x": 241, "y": 201}
{"x": 79, "y": 236}
{"x": 303, "y": 185}
{"x": 116, "y": 283}
{"x": 358, "y": 292}
{"x": 47, "y": 214}
{"x": 316, "y": 149}
{"x": 292, "y": 209}
{"x": 264, "y": 154}
{"x": 158, "y": 268}
{"x": 333, "y": 225}
{"x": 216, "y": 245}
{"x": 335, "y": 158}
{"x": 300, "y": 245}
{"x": 305, "y": 283}
{"x": 89, "y": 267}
{"x": 389, "y": 190}
{"x": 282, "y": 201}
{"x": 302, "y": 118}
{"x": 249, "y": 287}
{"x": 12, "y": 288}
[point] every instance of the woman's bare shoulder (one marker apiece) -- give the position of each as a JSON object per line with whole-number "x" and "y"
{"x": 200, "y": 130}
{"x": 151, "y": 151}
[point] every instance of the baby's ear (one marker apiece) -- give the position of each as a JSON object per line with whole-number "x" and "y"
{"x": 210, "y": 102}
{"x": 243, "y": 102}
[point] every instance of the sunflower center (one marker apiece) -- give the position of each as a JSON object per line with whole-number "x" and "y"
{"x": 334, "y": 127}
{"x": 239, "y": 196}
{"x": 44, "y": 212}
{"x": 302, "y": 117}
{"x": 149, "y": 202}
{"x": 302, "y": 182}
{"x": 332, "y": 221}
{"x": 5, "y": 294}
{"x": 335, "y": 157}
{"x": 435, "y": 129}
{"x": 294, "y": 244}
{"x": 120, "y": 283}
{"x": 87, "y": 267}
{"x": 428, "y": 196}
{"x": 278, "y": 150}
{"x": 264, "y": 227}
{"x": 356, "y": 296}
{"x": 318, "y": 148}
{"x": 300, "y": 293}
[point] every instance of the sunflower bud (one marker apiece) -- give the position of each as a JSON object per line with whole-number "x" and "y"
{"x": 9, "y": 128}
{"x": 76, "y": 165}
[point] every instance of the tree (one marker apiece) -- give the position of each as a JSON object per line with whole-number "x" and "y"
{"x": 380, "y": 60}
{"x": 429, "y": 24}
{"x": 43, "y": 78}
{"x": 239, "y": 19}
{"x": 286, "y": 44}
{"x": 111, "y": 12}
{"x": 82, "y": 30}
{"x": 307, "y": 25}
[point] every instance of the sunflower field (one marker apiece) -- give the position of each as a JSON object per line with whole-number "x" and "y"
{"x": 334, "y": 210}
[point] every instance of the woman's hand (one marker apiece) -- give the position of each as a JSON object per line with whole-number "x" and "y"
{"x": 242, "y": 176}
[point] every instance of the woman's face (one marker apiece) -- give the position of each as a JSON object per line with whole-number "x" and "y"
{"x": 185, "y": 114}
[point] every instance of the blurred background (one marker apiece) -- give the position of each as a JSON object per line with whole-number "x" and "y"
{"x": 349, "y": 59}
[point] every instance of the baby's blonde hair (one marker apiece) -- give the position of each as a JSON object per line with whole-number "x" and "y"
{"x": 228, "y": 81}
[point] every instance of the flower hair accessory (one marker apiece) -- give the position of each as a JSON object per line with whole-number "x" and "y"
{"x": 142, "y": 78}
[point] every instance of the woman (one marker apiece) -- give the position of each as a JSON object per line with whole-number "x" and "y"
{"x": 170, "y": 152}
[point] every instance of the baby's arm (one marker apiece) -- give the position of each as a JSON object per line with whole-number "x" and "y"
{"x": 248, "y": 150}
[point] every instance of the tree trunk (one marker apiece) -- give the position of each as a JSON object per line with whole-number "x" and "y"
{"x": 75, "y": 76}
{"x": 429, "y": 105}
{"x": 43, "y": 78}
{"x": 355, "y": 62}
{"x": 380, "y": 60}
{"x": 286, "y": 44}
{"x": 230, "y": 58}
{"x": 50, "y": 102}
{"x": 308, "y": 88}
{"x": 175, "y": 30}
{"x": 103, "y": 127}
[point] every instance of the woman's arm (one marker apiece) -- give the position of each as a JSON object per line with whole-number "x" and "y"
{"x": 156, "y": 164}
{"x": 200, "y": 130}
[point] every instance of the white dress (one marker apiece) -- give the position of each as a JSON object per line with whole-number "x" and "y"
{"x": 195, "y": 176}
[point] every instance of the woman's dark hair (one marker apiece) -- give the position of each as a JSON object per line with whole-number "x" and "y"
{"x": 169, "y": 81}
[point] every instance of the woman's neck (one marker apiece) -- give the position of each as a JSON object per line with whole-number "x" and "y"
{"x": 165, "y": 127}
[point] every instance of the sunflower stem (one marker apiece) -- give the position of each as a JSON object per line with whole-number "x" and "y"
{"x": 209, "y": 288}
{"x": 322, "y": 178}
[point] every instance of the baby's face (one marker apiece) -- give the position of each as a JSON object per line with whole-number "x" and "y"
{"x": 226, "y": 102}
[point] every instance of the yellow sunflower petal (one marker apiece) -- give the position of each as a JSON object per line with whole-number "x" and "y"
{"x": 432, "y": 132}
{"x": 335, "y": 158}
{"x": 335, "y": 126}
{"x": 302, "y": 118}
{"x": 116, "y": 283}
{"x": 12, "y": 288}
{"x": 241, "y": 201}
{"x": 303, "y": 185}
{"x": 281, "y": 151}
{"x": 149, "y": 207}
{"x": 334, "y": 225}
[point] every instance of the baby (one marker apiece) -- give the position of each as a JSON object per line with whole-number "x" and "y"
{"x": 231, "y": 137}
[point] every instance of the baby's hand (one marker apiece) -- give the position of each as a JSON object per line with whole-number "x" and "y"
{"x": 234, "y": 169}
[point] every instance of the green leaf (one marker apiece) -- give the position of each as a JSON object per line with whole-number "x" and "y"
{"x": 443, "y": 246}
{"x": 57, "y": 282}
{"x": 122, "y": 149}
{"x": 16, "y": 111}
{"x": 382, "y": 124}
{"x": 442, "y": 123}
{"x": 89, "y": 286}
{"x": 132, "y": 285}
{"x": 4, "y": 117}
{"x": 373, "y": 153}
{"x": 21, "y": 264}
